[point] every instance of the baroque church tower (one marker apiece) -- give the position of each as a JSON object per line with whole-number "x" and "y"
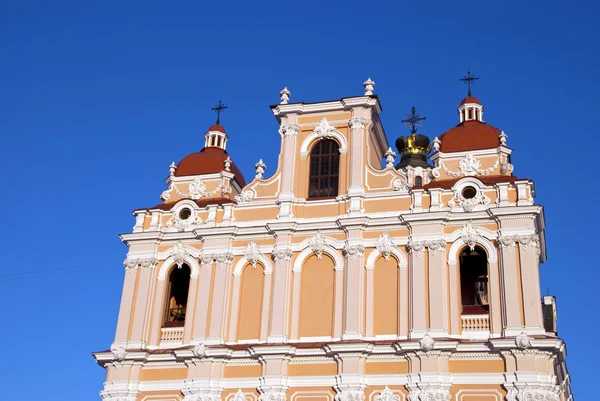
{"x": 335, "y": 278}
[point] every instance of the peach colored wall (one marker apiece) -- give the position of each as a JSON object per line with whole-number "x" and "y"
{"x": 163, "y": 374}
{"x": 386, "y": 296}
{"x": 476, "y": 366}
{"x": 253, "y": 281}
{"x": 242, "y": 371}
{"x": 316, "y": 297}
{"x": 321, "y": 369}
{"x": 386, "y": 368}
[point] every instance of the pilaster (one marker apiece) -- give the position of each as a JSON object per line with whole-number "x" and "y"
{"x": 357, "y": 158}
{"x": 141, "y": 311}
{"x": 417, "y": 295}
{"x": 218, "y": 315}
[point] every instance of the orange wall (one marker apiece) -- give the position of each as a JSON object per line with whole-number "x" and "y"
{"x": 316, "y": 308}
{"x": 253, "y": 281}
{"x": 386, "y": 296}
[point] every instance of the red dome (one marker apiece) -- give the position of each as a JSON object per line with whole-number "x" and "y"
{"x": 207, "y": 161}
{"x": 470, "y": 135}
{"x": 470, "y": 99}
{"x": 219, "y": 128}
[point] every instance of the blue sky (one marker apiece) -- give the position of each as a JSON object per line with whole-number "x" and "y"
{"x": 98, "y": 98}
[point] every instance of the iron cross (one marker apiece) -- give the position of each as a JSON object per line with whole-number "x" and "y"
{"x": 413, "y": 120}
{"x": 468, "y": 79}
{"x": 218, "y": 109}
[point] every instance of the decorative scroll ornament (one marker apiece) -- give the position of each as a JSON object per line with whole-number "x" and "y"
{"x": 429, "y": 394}
{"x": 205, "y": 260}
{"x": 469, "y": 166}
{"x": 531, "y": 393}
{"x": 358, "y": 122}
{"x": 120, "y": 354}
{"x": 352, "y": 251}
{"x": 387, "y": 395}
{"x": 239, "y": 396}
{"x": 401, "y": 185}
{"x": 244, "y": 197}
{"x": 324, "y": 130}
{"x": 525, "y": 241}
{"x": 260, "y": 169}
{"x": 416, "y": 247}
{"x": 272, "y": 396}
{"x": 279, "y": 255}
{"x": 199, "y": 350}
{"x": 468, "y": 204}
{"x": 144, "y": 263}
{"x": 289, "y": 130}
{"x": 350, "y": 395}
{"x": 252, "y": 253}
{"x": 166, "y": 195}
{"x": 390, "y": 158}
{"x": 223, "y": 259}
{"x": 385, "y": 246}
{"x": 317, "y": 244}
{"x": 184, "y": 224}
{"x": 470, "y": 235}
{"x": 436, "y": 245}
{"x": 179, "y": 253}
{"x": 285, "y": 95}
{"x": 426, "y": 343}
{"x": 196, "y": 190}
{"x": 369, "y": 87}
{"x": 522, "y": 340}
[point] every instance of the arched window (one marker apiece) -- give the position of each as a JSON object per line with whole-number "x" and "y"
{"x": 324, "y": 169}
{"x": 179, "y": 283}
{"x": 418, "y": 181}
{"x": 474, "y": 281}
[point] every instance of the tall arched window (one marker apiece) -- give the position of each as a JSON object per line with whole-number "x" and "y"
{"x": 474, "y": 281}
{"x": 324, "y": 169}
{"x": 179, "y": 284}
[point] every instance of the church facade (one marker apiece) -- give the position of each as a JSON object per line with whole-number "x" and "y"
{"x": 340, "y": 277}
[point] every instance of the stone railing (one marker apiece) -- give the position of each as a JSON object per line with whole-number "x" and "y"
{"x": 171, "y": 336}
{"x": 476, "y": 326}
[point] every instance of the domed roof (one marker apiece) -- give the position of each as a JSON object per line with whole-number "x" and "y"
{"x": 470, "y": 99}
{"x": 470, "y": 135}
{"x": 216, "y": 127}
{"x": 209, "y": 160}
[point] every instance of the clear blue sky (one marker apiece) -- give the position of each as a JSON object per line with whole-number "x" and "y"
{"x": 97, "y": 98}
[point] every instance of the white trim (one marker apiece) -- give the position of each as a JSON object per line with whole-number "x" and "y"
{"x": 308, "y": 141}
{"x": 492, "y": 254}
{"x": 328, "y": 249}
{"x": 169, "y": 262}
{"x": 239, "y": 266}
{"x": 402, "y": 261}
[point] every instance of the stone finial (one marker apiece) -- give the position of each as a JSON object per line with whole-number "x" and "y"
{"x": 503, "y": 138}
{"x": 172, "y": 168}
{"x": 390, "y": 157}
{"x": 436, "y": 144}
{"x": 369, "y": 86}
{"x": 285, "y": 95}
{"x": 260, "y": 169}
{"x": 227, "y": 163}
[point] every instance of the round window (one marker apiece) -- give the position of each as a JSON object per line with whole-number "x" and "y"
{"x": 185, "y": 214}
{"x": 469, "y": 192}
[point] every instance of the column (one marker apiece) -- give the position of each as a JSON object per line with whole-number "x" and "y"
{"x": 438, "y": 293}
{"x": 289, "y": 134}
{"x": 125, "y": 310}
{"x": 354, "y": 289}
{"x": 142, "y": 305}
{"x": 357, "y": 147}
{"x": 200, "y": 322}
{"x": 216, "y": 330}
{"x": 417, "y": 299}
{"x": 529, "y": 249}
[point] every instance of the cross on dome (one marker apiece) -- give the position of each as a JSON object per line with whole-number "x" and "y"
{"x": 220, "y": 107}
{"x": 413, "y": 120}
{"x": 468, "y": 79}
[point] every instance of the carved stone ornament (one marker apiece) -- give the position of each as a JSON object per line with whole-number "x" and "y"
{"x": 387, "y": 395}
{"x": 252, "y": 253}
{"x": 202, "y": 397}
{"x": 184, "y": 224}
{"x": 352, "y": 251}
{"x": 227, "y": 164}
{"x": 524, "y": 241}
{"x": 416, "y": 247}
{"x": 470, "y": 235}
{"x": 260, "y": 169}
{"x": 289, "y": 129}
{"x": 317, "y": 244}
{"x": 358, "y": 123}
{"x": 401, "y": 185}
{"x": 272, "y": 396}
{"x": 468, "y": 204}
{"x": 505, "y": 166}
{"x": 120, "y": 354}
{"x": 239, "y": 396}
{"x": 205, "y": 260}
{"x": 429, "y": 394}
{"x": 426, "y": 343}
{"x": 324, "y": 130}
{"x": 179, "y": 253}
{"x": 118, "y": 397}
{"x": 223, "y": 259}
{"x": 279, "y": 255}
{"x": 436, "y": 246}
{"x": 144, "y": 263}
{"x": 469, "y": 166}
{"x": 390, "y": 158}
{"x": 196, "y": 190}
{"x": 350, "y": 395}
{"x": 503, "y": 137}
{"x": 522, "y": 340}
{"x": 436, "y": 144}
{"x": 199, "y": 350}
{"x": 531, "y": 393}
{"x": 385, "y": 246}
{"x": 285, "y": 95}
{"x": 369, "y": 87}
{"x": 244, "y": 197}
